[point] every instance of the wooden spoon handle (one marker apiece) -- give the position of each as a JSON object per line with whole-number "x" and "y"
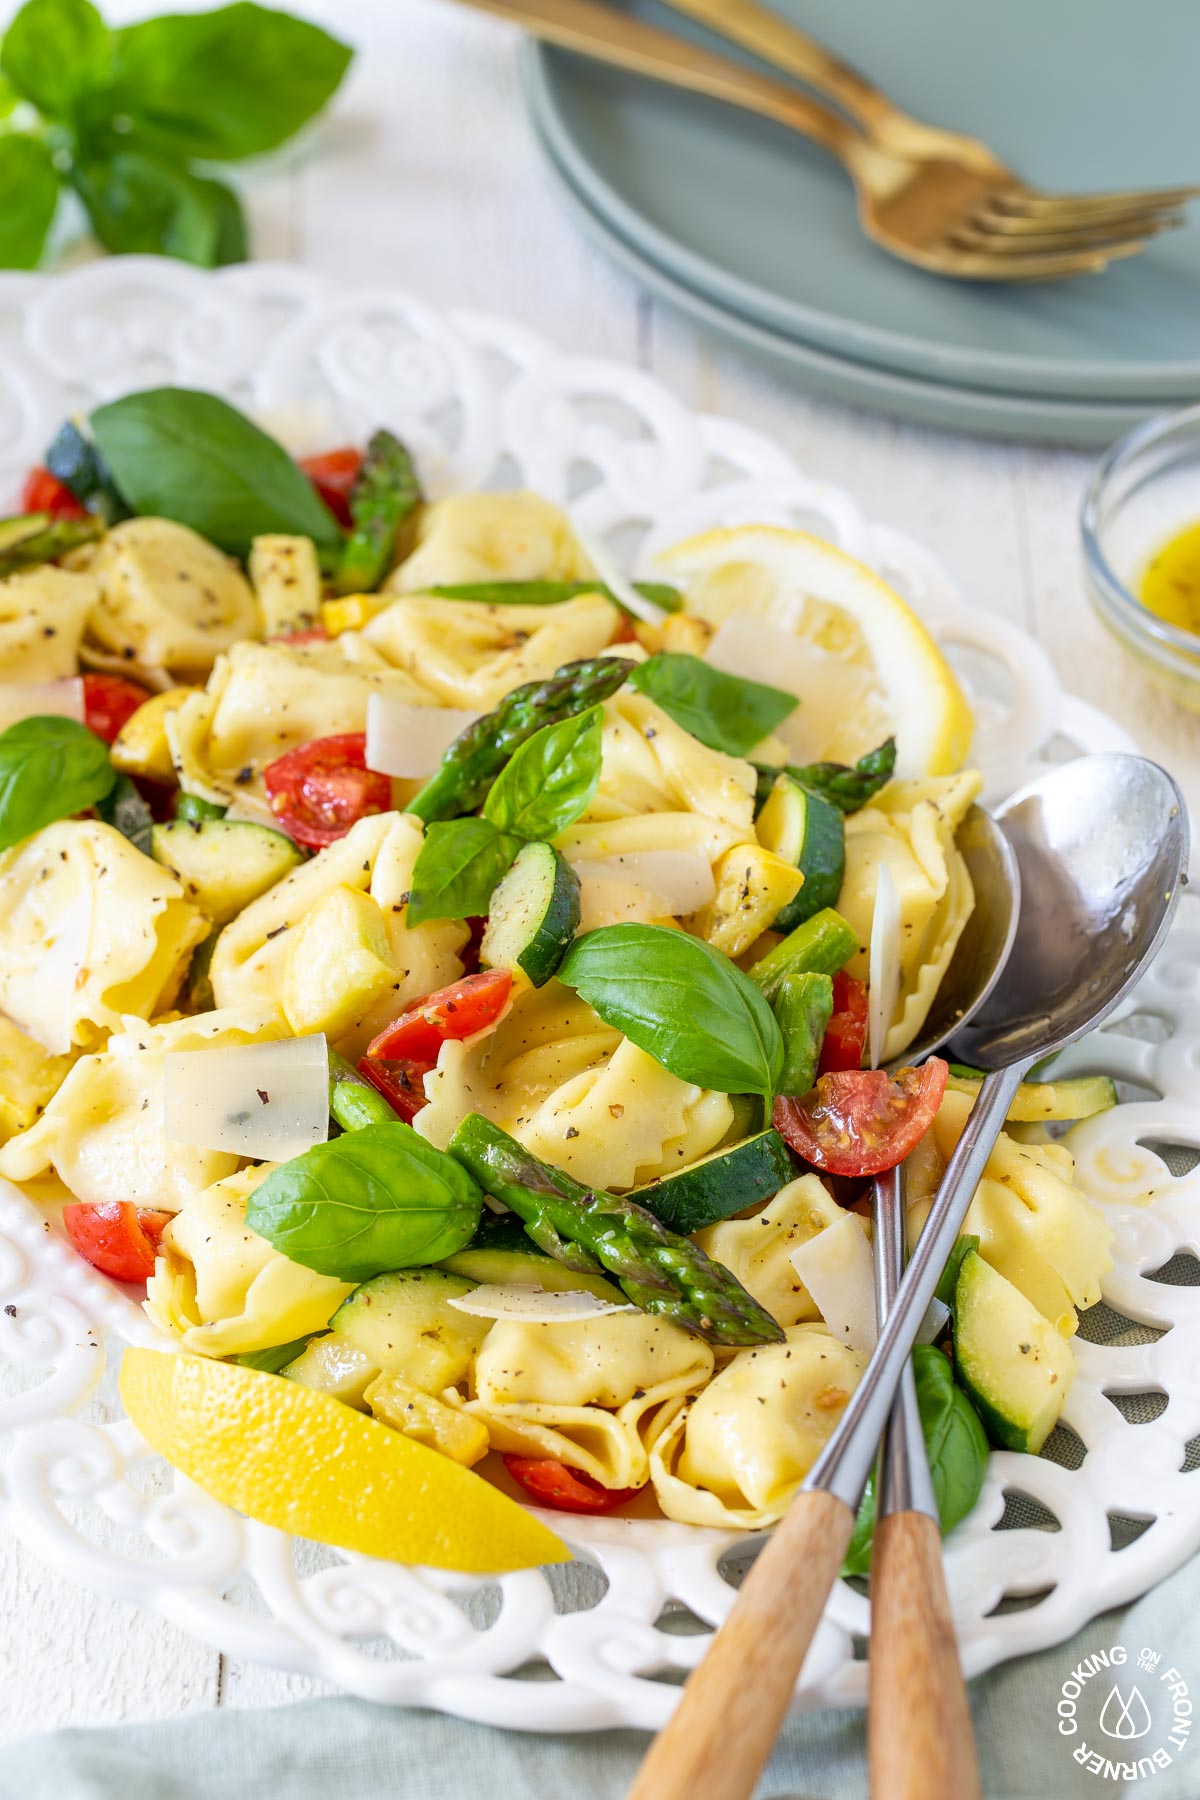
{"x": 733, "y": 1705}
{"x": 921, "y": 1743}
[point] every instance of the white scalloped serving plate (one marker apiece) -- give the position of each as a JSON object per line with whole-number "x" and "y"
{"x": 485, "y": 402}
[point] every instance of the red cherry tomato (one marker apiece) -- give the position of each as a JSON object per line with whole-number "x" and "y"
{"x": 567, "y": 1490}
{"x": 863, "y": 1121}
{"x": 333, "y": 474}
{"x": 458, "y": 1011}
{"x": 400, "y": 1083}
{"x": 312, "y": 634}
{"x": 44, "y": 492}
{"x": 320, "y": 789}
{"x": 846, "y": 1033}
{"x": 108, "y": 701}
{"x": 117, "y": 1237}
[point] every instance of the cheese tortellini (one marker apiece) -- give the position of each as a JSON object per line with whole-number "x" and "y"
{"x": 910, "y": 827}
{"x": 758, "y": 1249}
{"x": 736, "y": 1455}
{"x": 250, "y": 963}
{"x": 262, "y": 700}
{"x": 169, "y": 600}
{"x": 582, "y": 1394}
{"x": 42, "y": 616}
{"x": 491, "y": 537}
{"x": 104, "y": 1133}
{"x": 575, "y": 1092}
{"x": 221, "y": 1289}
{"x": 90, "y": 929}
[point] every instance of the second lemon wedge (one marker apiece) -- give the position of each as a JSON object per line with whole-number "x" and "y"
{"x": 298, "y": 1459}
{"x": 862, "y": 663}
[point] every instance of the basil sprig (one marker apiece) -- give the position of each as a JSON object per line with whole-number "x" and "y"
{"x": 124, "y": 112}
{"x": 542, "y": 789}
{"x": 682, "y": 1002}
{"x": 457, "y": 869}
{"x": 49, "y": 769}
{"x": 726, "y": 712}
{"x": 955, "y": 1445}
{"x": 849, "y": 789}
{"x": 176, "y": 453}
{"x": 369, "y": 1201}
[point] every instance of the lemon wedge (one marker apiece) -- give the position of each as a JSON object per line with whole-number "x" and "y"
{"x": 305, "y": 1462}
{"x": 794, "y": 611}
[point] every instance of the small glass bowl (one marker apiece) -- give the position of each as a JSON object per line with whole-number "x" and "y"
{"x": 1145, "y": 489}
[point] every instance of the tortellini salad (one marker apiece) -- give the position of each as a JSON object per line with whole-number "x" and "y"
{"x": 440, "y": 974}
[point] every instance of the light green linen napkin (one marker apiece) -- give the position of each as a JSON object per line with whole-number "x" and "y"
{"x": 346, "y": 1749}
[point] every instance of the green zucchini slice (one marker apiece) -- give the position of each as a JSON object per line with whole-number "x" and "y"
{"x": 534, "y": 914}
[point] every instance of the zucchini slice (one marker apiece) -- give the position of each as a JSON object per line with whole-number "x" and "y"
{"x": 224, "y": 864}
{"x": 1014, "y": 1364}
{"x": 1047, "y": 1101}
{"x": 534, "y": 914}
{"x": 333, "y": 1365}
{"x": 403, "y": 1324}
{"x": 807, "y": 832}
{"x": 719, "y": 1185}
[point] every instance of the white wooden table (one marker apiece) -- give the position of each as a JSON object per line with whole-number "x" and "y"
{"x": 426, "y": 174}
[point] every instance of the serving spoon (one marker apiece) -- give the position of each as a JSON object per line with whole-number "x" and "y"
{"x": 1102, "y": 846}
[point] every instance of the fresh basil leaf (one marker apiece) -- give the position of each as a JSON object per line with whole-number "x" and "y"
{"x": 29, "y": 183}
{"x": 552, "y": 593}
{"x": 682, "y": 1002}
{"x": 225, "y": 84}
{"x": 71, "y": 458}
{"x": 124, "y": 809}
{"x": 459, "y": 864}
{"x": 49, "y": 769}
{"x": 179, "y": 454}
{"x": 273, "y": 1360}
{"x": 550, "y": 780}
{"x": 850, "y": 788}
{"x": 726, "y": 712}
{"x": 955, "y": 1445}
{"x": 369, "y": 1201}
{"x": 55, "y": 52}
{"x": 139, "y": 202}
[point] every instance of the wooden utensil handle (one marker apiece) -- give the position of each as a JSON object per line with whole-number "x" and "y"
{"x": 733, "y": 1705}
{"x": 921, "y": 1743}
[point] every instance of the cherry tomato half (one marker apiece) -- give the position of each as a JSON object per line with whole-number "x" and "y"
{"x": 333, "y": 474}
{"x": 458, "y": 1011}
{"x": 320, "y": 789}
{"x": 400, "y": 1082}
{"x": 116, "y": 1237}
{"x": 108, "y": 701}
{"x": 567, "y": 1490}
{"x": 310, "y": 634}
{"x": 863, "y": 1121}
{"x": 846, "y": 1033}
{"x": 44, "y": 492}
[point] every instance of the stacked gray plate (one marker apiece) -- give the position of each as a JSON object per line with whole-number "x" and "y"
{"x": 752, "y": 230}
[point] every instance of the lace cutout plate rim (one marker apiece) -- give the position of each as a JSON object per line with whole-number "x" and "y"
{"x": 485, "y": 402}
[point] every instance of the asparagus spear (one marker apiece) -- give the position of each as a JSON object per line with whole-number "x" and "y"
{"x": 660, "y": 1271}
{"x": 478, "y": 754}
{"x": 38, "y": 538}
{"x": 553, "y": 593}
{"x": 820, "y": 946}
{"x": 353, "y": 1100}
{"x": 803, "y": 1005}
{"x": 846, "y": 788}
{"x": 384, "y": 493}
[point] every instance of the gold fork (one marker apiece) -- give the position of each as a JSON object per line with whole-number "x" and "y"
{"x": 933, "y": 214}
{"x": 1010, "y": 204}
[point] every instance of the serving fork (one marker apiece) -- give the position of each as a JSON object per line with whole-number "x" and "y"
{"x": 949, "y": 216}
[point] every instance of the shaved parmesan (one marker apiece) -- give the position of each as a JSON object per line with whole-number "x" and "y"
{"x": 616, "y": 582}
{"x": 607, "y": 900}
{"x": 934, "y": 1322}
{"x": 40, "y": 700}
{"x": 676, "y": 881}
{"x": 514, "y": 1300}
{"x": 883, "y": 973}
{"x": 266, "y": 1101}
{"x": 829, "y": 689}
{"x": 408, "y": 741}
{"x": 837, "y": 1269}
